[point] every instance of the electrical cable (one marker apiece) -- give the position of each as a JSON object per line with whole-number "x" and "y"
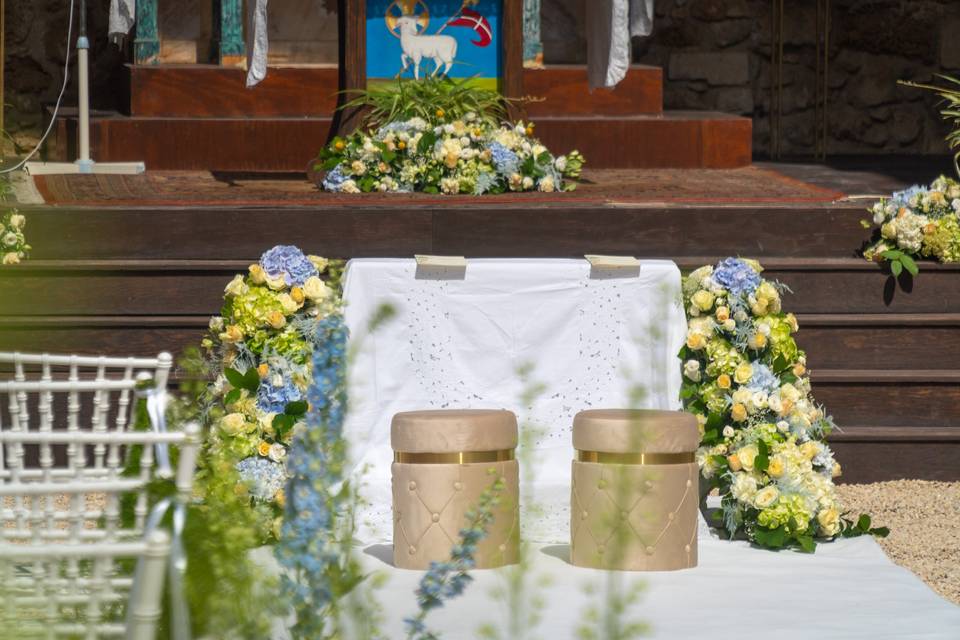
{"x": 56, "y": 108}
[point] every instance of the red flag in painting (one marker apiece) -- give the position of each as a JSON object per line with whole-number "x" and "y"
{"x": 472, "y": 19}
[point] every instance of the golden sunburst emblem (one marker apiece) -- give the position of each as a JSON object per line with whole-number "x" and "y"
{"x": 400, "y": 8}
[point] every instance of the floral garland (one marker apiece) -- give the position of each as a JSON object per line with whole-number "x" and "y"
{"x": 261, "y": 346}
{"x": 919, "y": 221}
{"x": 762, "y": 434}
{"x": 469, "y": 155}
{"x": 13, "y": 244}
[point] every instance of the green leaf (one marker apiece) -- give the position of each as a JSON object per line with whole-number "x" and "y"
{"x": 232, "y": 396}
{"x": 880, "y": 532}
{"x": 909, "y": 264}
{"x": 330, "y": 163}
{"x": 865, "y": 224}
{"x": 296, "y": 409}
{"x": 807, "y": 543}
{"x": 234, "y": 377}
{"x": 389, "y": 156}
{"x": 282, "y": 423}
{"x": 863, "y": 523}
{"x": 251, "y": 380}
{"x": 426, "y": 142}
{"x": 896, "y": 267}
{"x": 892, "y": 254}
{"x": 762, "y": 460}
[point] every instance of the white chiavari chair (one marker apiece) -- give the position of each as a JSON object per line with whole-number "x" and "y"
{"x": 66, "y": 553}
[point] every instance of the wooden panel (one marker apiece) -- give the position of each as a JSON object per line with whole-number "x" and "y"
{"x": 214, "y": 91}
{"x": 911, "y": 346}
{"x": 565, "y": 91}
{"x": 221, "y": 144}
{"x": 890, "y": 404}
{"x": 127, "y": 336}
{"x": 186, "y": 28}
{"x": 676, "y": 139}
{"x": 882, "y": 461}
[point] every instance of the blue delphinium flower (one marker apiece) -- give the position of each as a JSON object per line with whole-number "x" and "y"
{"x": 504, "y": 160}
{"x": 334, "y": 179}
{"x": 265, "y": 477}
{"x": 763, "y": 379}
{"x": 736, "y": 276}
{"x": 273, "y": 399}
{"x": 288, "y": 261}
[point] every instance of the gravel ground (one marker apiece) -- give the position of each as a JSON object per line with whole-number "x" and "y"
{"x": 924, "y": 521}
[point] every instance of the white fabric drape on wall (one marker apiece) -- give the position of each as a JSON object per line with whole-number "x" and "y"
{"x": 122, "y": 16}
{"x": 610, "y": 25}
{"x": 257, "y": 49}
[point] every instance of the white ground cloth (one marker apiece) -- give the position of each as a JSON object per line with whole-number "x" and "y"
{"x": 457, "y": 343}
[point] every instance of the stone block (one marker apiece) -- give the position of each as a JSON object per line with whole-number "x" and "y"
{"x": 950, "y": 44}
{"x": 718, "y": 69}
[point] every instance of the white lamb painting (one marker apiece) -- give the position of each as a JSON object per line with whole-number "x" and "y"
{"x": 417, "y": 47}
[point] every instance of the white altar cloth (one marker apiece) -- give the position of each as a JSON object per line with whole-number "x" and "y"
{"x": 458, "y": 343}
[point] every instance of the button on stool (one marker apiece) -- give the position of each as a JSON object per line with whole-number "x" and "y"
{"x": 634, "y": 495}
{"x": 443, "y": 462}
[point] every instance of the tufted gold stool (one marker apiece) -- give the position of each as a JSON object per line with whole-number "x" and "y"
{"x": 635, "y": 493}
{"x": 442, "y": 465}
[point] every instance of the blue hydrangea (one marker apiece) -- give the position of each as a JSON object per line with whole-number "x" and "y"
{"x": 288, "y": 261}
{"x": 334, "y": 179}
{"x": 504, "y": 160}
{"x": 273, "y": 399}
{"x": 763, "y": 379}
{"x": 264, "y": 477}
{"x": 736, "y": 276}
{"x": 902, "y": 198}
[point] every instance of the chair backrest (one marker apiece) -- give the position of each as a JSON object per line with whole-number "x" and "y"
{"x": 66, "y": 551}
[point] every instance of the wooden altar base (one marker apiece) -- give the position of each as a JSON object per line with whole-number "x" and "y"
{"x": 118, "y": 270}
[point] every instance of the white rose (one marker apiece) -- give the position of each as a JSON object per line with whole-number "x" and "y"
{"x": 288, "y": 303}
{"x": 783, "y": 426}
{"x": 691, "y": 369}
{"x": 236, "y": 287}
{"x": 766, "y": 497}
{"x": 774, "y": 403}
{"x": 527, "y": 182}
{"x": 10, "y": 239}
{"x": 561, "y": 164}
{"x": 216, "y": 323}
{"x": 728, "y": 431}
{"x": 547, "y": 185}
{"x": 277, "y": 452}
{"x": 729, "y": 324}
{"x": 878, "y": 218}
{"x": 744, "y": 487}
{"x": 349, "y": 186}
{"x": 18, "y": 221}
{"x": 316, "y": 289}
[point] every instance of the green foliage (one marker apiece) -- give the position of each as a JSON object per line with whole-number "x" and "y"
{"x": 950, "y": 111}
{"x": 900, "y": 262}
{"x": 436, "y": 100}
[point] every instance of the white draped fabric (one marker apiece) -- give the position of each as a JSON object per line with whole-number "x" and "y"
{"x": 258, "y": 48}
{"x": 458, "y": 343}
{"x": 610, "y": 25}
{"x": 122, "y": 16}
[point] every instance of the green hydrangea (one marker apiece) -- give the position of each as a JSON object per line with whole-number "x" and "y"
{"x": 722, "y": 357}
{"x": 790, "y": 511}
{"x": 944, "y": 242}
{"x": 250, "y": 310}
{"x": 714, "y": 398}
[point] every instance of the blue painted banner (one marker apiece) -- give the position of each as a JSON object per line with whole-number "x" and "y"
{"x": 461, "y": 39}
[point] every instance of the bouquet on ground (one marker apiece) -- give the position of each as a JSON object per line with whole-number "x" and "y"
{"x": 261, "y": 346}
{"x": 468, "y": 155}
{"x": 917, "y": 222}
{"x": 13, "y": 244}
{"x": 762, "y": 434}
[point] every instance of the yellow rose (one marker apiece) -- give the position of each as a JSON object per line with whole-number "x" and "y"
{"x": 766, "y": 497}
{"x": 703, "y": 299}
{"x": 775, "y": 467}
{"x": 723, "y": 381}
{"x": 11, "y": 258}
{"x": 889, "y": 230}
{"x": 277, "y": 283}
{"x": 809, "y": 450}
{"x": 263, "y": 370}
{"x": 743, "y": 373}
{"x": 799, "y": 370}
{"x": 748, "y": 455}
{"x": 837, "y": 471}
{"x": 738, "y": 412}
{"x": 236, "y": 287}
{"x": 232, "y": 334}
{"x": 753, "y": 264}
{"x": 760, "y": 307}
{"x": 289, "y": 305}
{"x": 767, "y": 291}
{"x": 316, "y": 289}
{"x": 263, "y": 448}
{"x": 297, "y": 294}
{"x": 257, "y": 274}
{"x": 829, "y": 521}
{"x": 18, "y": 221}
{"x": 757, "y": 341}
{"x": 233, "y": 424}
{"x": 792, "y": 321}
{"x": 281, "y": 498}
{"x": 276, "y": 319}
{"x": 734, "y": 461}
{"x": 696, "y": 341}
{"x": 789, "y": 392}
{"x": 266, "y": 423}
{"x": 723, "y": 314}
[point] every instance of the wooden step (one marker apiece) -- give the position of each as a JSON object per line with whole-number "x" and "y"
{"x": 198, "y": 90}
{"x": 564, "y": 90}
{"x": 878, "y": 454}
{"x": 685, "y": 140}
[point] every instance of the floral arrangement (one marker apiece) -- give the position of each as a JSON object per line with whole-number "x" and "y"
{"x": 13, "y": 244}
{"x": 261, "y": 346}
{"x": 469, "y": 155}
{"x": 762, "y": 434}
{"x": 919, "y": 221}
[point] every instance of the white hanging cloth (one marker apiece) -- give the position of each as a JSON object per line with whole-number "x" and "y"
{"x": 122, "y": 16}
{"x": 610, "y": 25}
{"x": 257, "y": 49}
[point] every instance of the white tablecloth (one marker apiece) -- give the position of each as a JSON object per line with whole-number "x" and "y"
{"x": 458, "y": 343}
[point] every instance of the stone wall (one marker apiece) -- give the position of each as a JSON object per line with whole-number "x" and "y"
{"x": 715, "y": 53}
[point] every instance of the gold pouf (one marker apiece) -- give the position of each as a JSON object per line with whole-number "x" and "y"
{"x": 443, "y": 462}
{"x": 634, "y": 497}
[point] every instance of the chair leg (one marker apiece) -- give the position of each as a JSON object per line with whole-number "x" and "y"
{"x": 147, "y": 598}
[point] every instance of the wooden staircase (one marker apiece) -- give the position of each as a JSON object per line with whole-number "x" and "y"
{"x": 884, "y": 355}
{"x": 203, "y": 117}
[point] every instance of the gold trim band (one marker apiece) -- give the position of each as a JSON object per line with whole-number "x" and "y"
{"x": 604, "y": 457}
{"x": 459, "y": 457}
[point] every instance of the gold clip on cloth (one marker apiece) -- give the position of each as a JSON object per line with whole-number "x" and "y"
{"x": 459, "y": 457}
{"x": 603, "y": 457}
